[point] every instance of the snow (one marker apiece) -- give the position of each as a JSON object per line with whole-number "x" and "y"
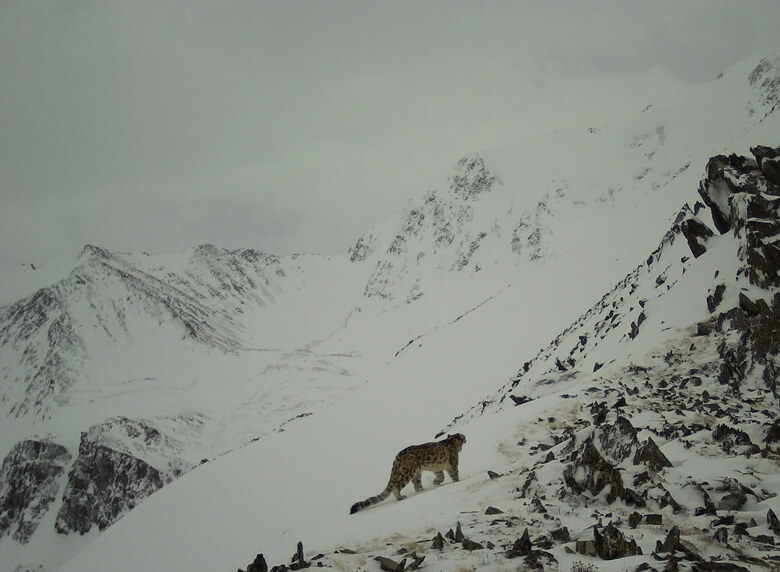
{"x": 302, "y": 415}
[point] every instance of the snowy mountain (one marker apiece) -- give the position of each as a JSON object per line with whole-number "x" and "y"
{"x": 188, "y": 411}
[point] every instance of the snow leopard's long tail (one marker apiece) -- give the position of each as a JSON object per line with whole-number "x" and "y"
{"x": 371, "y": 500}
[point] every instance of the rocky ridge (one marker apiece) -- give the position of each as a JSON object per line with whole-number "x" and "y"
{"x": 668, "y": 461}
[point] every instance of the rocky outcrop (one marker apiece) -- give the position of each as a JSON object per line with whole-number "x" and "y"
{"x": 30, "y": 480}
{"x": 110, "y": 477}
{"x": 743, "y": 195}
{"x": 41, "y": 349}
{"x": 440, "y": 229}
{"x": 471, "y": 178}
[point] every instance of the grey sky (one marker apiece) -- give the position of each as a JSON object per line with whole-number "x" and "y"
{"x": 295, "y": 126}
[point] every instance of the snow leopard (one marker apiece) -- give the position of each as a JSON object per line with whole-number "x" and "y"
{"x": 437, "y": 457}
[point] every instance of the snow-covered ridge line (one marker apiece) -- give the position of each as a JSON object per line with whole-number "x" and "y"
{"x": 150, "y": 399}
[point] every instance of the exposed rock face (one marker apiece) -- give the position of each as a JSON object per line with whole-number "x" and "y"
{"x": 30, "y": 479}
{"x": 441, "y": 228}
{"x": 41, "y": 349}
{"x": 744, "y": 197}
{"x": 103, "y": 485}
{"x": 471, "y": 178}
{"x": 765, "y": 79}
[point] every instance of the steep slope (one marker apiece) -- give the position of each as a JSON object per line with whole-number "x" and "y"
{"x": 655, "y": 459}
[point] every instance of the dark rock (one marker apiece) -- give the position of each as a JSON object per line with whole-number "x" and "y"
{"x": 634, "y": 519}
{"x": 752, "y": 308}
{"x": 618, "y": 441}
{"x": 103, "y": 485}
{"x": 493, "y": 475}
{"x": 493, "y": 510}
{"x": 543, "y": 542}
{"x": 29, "y": 482}
{"x": 537, "y": 506}
{"x": 649, "y": 454}
{"x": 715, "y": 297}
{"x": 773, "y": 433}
{"x": 521, "y": 547}
{"x": 773, "y": 521}
{"x": 612, "y": 544}
{"x": 561, "y": 534}
{"x": 696, "y": 233}
{"x": 673, "y": 544}
{"x": 258, "y": 565}
{"x": 711, "y": 566}
{"x": 723, "y": 521}
{"x": 438, "y": 542}
{"x": 721, "y": 535}
{"x": 709, "y": 506}
{"x": 587, "y": 547}
{"x": 417, "y": 562}
{"x": 767, "y": 159}
{"x": 459, "y": 534}
{"x": 598, "y": 473}
{"x": 519, "y": 400}
{"x": 471, "y": 545}
{"x": 298, "y": 562}
{"x": 390, "y": 565}
{"x": 656, "y": 519}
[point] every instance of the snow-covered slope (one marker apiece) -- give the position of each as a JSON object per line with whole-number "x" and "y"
{"x": 655, "y": 445}
{"x": 296, "y": 377}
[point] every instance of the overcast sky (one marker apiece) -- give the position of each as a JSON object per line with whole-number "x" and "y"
{"x": 296, "y": 126}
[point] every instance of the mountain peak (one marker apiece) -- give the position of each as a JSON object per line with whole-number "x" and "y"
{"x": 471, "y": 178}
{"x": 765, "y": 78}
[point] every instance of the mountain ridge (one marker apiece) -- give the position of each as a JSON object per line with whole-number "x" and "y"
{"x": 210, "y": 313}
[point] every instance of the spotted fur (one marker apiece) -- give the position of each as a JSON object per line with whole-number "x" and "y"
{"x": 437, "y": 457}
